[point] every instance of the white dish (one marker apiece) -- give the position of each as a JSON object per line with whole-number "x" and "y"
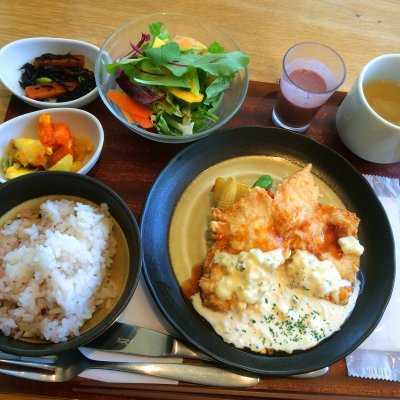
{"x": 81, "y": 123}
{"x": 15, "y": 54}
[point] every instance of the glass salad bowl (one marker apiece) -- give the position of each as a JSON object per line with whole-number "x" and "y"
{"x": 213, "y": 60}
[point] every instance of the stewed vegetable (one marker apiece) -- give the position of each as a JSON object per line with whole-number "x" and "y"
{"x": 57, "y": 77}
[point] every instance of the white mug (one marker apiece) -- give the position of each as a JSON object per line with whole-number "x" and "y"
{"x": 361, "y": 129}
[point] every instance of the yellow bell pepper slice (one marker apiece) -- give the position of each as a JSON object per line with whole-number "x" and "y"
{"x": 187, "y": 96}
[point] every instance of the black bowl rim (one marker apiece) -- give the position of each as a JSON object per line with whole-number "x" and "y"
{"x": 135, "y": 264}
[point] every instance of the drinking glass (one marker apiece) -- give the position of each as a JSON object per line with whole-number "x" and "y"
{"x": 312, "y": 72}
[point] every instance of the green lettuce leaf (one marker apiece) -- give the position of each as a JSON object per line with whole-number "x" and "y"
{"x": 155, "y": 28}
{"x": 218, "y": 85}
{"x": 222, "y": 64}
{"x": 215, "y": 48}
{"x": 164, "y": 54}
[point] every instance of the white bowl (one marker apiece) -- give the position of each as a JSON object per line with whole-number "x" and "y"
{"x": 81, "y": 123}
{"x": 15, "y": 54}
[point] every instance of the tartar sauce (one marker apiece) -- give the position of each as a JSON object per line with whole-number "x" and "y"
{"x": 248, "y": 274}
{"x": 351, "y": 245}
{"x": 305, "y": 270}
{"x": 277, "y": 314}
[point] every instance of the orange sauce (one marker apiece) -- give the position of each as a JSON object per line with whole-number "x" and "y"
{"x": 330, "y": 243}
{"x": 191, "y": 286}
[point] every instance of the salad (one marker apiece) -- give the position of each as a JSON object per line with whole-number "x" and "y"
{"x": 173, "y": 85}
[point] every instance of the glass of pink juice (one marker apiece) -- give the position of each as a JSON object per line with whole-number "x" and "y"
{"x": 312, "y": 72}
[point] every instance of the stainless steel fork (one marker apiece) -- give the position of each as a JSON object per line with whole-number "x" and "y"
{"x": 67, "y": 366}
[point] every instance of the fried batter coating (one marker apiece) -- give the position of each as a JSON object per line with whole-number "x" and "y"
{"x": 212, "y": 274}
{"x": 248, "y": 225}
{"x": 313, "y": 233}
{"x": 295, "y": 201}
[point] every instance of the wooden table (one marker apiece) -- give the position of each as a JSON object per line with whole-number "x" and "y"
{"x": 141, "y": 160}
{"x": 358, "y": 30}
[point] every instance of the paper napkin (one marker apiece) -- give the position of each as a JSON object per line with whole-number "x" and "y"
{"x": 141, "y": 311}
{"x": 378, "y": 356}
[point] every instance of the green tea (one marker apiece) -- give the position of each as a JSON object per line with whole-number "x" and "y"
{"x": 384, "y": 97}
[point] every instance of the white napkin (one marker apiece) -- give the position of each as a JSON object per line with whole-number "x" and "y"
{"x": 379, "y": 355}
{"x": 141, "y": 311}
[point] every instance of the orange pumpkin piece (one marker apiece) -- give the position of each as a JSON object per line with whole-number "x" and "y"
{"x": 53, "y": 135}
{"x": 57, "y": 138}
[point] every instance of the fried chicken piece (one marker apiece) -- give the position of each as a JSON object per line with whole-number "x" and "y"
{"x": 248, "y": 225}
{"x": 346, "y": 221}
{"x": 292, "y": 219}
{"x": 321, "y": 230}
{"x": 347, "y": 265}
{"x": 209, "y": 282}
{"x": 341, "y": 297}
{"x": 308, "y": 225}
{"x": 295, "y": 201}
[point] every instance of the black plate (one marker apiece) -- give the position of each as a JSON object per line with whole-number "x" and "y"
{"x": 378, "y": 262}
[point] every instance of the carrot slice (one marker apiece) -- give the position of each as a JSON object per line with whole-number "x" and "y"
{"x": 45, "y": 132}
{"x": 137, "y": 110}
{"x": 44, "y": 91}
{"x": 61, "y": 134}
{"x": 128, "y": 116}
{"x": 145, "y": 123}
{"x": 73, "y": 60}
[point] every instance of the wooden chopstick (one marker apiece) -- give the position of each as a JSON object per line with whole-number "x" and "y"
{"x": 174, "y": 392}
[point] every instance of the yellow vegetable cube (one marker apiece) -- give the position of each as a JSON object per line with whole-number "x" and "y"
{"x": 17, "y": 170}
{"x": 27, "y": 151}
{"x": 65, "y": 164}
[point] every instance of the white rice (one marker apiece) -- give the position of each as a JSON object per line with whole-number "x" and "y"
{"x": 54, "y": 269}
